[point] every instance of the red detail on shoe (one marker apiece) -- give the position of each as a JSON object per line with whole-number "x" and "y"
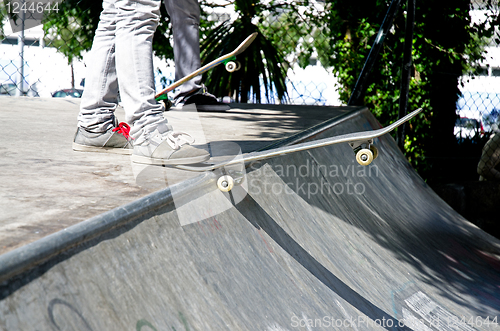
{"x": 124, "y": 129}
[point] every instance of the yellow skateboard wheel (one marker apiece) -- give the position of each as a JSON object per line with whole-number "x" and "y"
{"x": 225, "y": 183}
{"x": 364, "y": 156}
{"x": 374, "y": 151}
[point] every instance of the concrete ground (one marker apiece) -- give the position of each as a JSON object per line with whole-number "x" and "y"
{"x": 309, "y": 241}
{"x": 45, "y": 186}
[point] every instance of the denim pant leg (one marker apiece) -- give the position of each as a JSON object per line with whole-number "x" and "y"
{"x": 135, "y": 26}
{"x": 99, "y": 99}
{"x": 122, "y": 58}
{"x": 185, "y": 18}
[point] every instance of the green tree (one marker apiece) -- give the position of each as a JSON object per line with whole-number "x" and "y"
{"x": 262, "y": 64}
{"x": 71, "y": 30}
{"x": 3, "y": 14}
{"x": 299, "y": 30}
{"x": 445, "y": 43}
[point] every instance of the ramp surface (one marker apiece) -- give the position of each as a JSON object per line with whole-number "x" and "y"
{"x": 314, "y": 242}
{"x": 45, "y": 186}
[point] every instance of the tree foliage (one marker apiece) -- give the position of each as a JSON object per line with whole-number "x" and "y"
{"x": 3, "y": 13}
{"x": 340, "y": 33}
{"x": 445, "y": 44}
{"x": 299, "y": 30}
{"x": 262, "y": 64}
{"x": 71, "y": 29}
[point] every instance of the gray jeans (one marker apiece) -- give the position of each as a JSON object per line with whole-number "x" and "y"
{"x": 185, "y": 18}
{"x": 121, "y": 60}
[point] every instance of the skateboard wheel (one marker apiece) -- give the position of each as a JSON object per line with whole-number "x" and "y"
{"x": 225, "y": 183}
{"x": 364, "y": 156}
{"x": 231, "y": 66}
{"x": 238, "y": 65}
{"x": 374, "y": 151}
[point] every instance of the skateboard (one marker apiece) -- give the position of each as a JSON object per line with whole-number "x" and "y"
{"x": 229, "y": 60}
{"x": 361, "y": 143}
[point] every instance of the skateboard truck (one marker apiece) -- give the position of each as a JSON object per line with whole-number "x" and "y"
{"x": 360, "y": 142}
{"x": 365, "y": 151}
{"x": 166, "y": 100}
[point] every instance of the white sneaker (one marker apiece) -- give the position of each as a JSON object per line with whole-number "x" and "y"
{"x": 166, "y": 147}
{"x": 115, "y": 140}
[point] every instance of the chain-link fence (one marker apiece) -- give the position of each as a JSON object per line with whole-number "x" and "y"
{"x": 32, "y": 60}
{"x": 479, "y": 103}
{"x": 31, "y": 64}
{"x": 34, "y": 57}
{"x": 289, "y": 27}
{"x": 478, "y": 107}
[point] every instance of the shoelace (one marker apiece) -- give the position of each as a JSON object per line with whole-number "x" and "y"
{"x": 124, "y": 129}
{"x": 176, "y": 139}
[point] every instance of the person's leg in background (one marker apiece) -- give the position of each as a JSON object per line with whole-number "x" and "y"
{"x": 185, "y": 18}
{"x": 135, "y": 26}
{"x": 96, "y": 119}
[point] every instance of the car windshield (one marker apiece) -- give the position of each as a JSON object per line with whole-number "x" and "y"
{"x": 68, "y": 93}
{"x": 468, "y": 123}
{"x": 8, "y": 89}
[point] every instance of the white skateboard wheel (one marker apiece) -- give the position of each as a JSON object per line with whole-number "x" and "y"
{"x": 364, "y": 156}
{"x": 374, "y": 151}
{"x": 231, "y": 66}
{"x": 238, "y": 65}
{"x": 225, "y": 183}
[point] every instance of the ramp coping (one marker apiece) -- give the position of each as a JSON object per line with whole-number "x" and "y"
{"x": 30, "y": 255}
{"x": 33, "y": 254}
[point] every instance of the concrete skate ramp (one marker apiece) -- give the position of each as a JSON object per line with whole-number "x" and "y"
{"x": 318, "y": 243}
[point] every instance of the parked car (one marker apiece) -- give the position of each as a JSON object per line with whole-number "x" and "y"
{"x": 68, "y": 93}
{"x": 482, "y": 106}
{"x": 12, "y": 89}
{"x": 467, "y": 128}
{"x": 8, "y": 89}
{"x": 491, "y": 120}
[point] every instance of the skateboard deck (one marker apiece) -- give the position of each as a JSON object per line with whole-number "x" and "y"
{"x": 230, "y": 66}
{"x": 352, "y": 138}
{"x": 360, "y": 142}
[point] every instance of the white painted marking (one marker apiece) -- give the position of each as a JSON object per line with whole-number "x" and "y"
{"x": 275, "y": 327}
{"x": 304, "y": 316}
{"x": 414, "y": 323}
{"x": 346, "y": 315}
{"x": 434, "y": 314}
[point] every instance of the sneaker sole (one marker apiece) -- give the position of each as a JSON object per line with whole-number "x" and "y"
{"x": 154, "y": 161}
{"x": 95, "y": 149}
